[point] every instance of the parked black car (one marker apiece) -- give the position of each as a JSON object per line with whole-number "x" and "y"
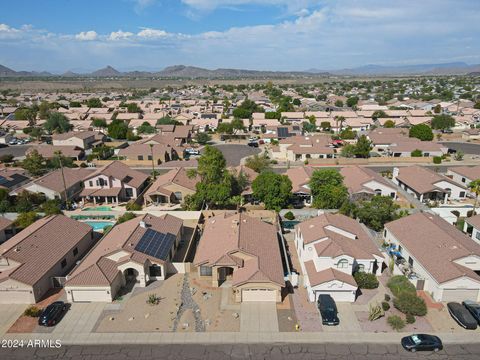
{"x": 462, "y": 316}
{"x": 474, "y": 309}
{"x": 52, "y": 314}
{"x": 422, "y": 342}
{"x": 328, "y": 310}
{"x": 253, "y": 144}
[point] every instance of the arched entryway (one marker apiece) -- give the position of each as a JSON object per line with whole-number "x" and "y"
{"x": 131, "y": 275}
{"x": 224, "y": 274}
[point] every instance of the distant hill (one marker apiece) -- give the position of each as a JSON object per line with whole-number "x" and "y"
{"x": 455, "y": 68}
{"x": 193, "y": 72}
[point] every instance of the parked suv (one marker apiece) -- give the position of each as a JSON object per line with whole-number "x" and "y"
{"x": 52, "y": 314}
{"x": 328, "y": 310}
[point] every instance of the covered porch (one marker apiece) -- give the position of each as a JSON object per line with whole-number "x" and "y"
{"x": 101, "y": 196}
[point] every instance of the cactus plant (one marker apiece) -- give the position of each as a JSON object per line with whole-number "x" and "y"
{"x": 375, "y": 312}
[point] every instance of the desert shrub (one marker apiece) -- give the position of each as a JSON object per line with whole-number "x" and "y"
{"x": 387, "y": 297}
{"x": 133, "y": 206}
{"x": 289, "y": 216}
{"x": 437, "y": 159}
{"x": 399, "y": 284}
{"x": 409, "y": 303}
{"x": 375, "y": 312}
{"x": 32, "y": 311}
{"x": 153, "y": 299}
{"x": 396, "y": 322}
{"x": 385, "y": 306}
{"x": 365, "y": 280}
{"x": 410, "y": 319}
{"x": 125, "y": 217}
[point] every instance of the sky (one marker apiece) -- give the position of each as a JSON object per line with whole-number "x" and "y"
{"x": 85, "y": 35}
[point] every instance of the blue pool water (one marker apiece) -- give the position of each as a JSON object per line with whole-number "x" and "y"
{"x": 289, "y": 224}
{"x": 98, "y": 208}
{"x": 99, "y": 225}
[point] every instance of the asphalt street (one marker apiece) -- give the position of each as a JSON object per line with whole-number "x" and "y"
{"x": 260, "y": 351}
{"x": 467, "y": 148}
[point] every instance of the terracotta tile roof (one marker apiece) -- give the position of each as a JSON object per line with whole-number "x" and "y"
{"x": 355, "y": 178}
{"x": 331, "y": 228}
{"x": 474, "y": 221}
{"x": 421, "y": 179}
{"x": 77, "y": 134}
{"x": 120, "y": 171}
{"x": 300, "y": 177}
{"x": 5, "y": 223}
{"x": 435, "y": 244}
{"x": 54, "y": 180}
{"x": 122, "y": 237}
{"x": 42, "y": 245}
{"x": 470, "y": 172}
{"x": 320, "y": 277}
{"x": 231, "y": 233}
{"x": 175, "y": 176}
{"x": 48, "y": 151}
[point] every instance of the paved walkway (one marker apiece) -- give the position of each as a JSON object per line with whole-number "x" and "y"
{"x": 80, "y": 319}
{"x": 258, "y": 317}
{"x": 9, "y": 314}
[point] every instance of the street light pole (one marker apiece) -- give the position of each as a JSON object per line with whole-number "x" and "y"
{"x": 153, "y": 163}
{"x": 59, "y": 153}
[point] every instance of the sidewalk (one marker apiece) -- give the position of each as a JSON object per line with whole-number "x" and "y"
{"x": 238, "y": 338}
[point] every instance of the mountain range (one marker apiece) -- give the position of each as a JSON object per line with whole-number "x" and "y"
{"x": 182, "y": 71}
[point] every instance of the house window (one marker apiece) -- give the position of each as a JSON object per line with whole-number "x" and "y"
{"x": 75, "y": 252}
{"x": 128, "y": 192}
{"x": 462, "y": 194}
{"x": 150, "y": 157}
{"x": 399, "y": 249}
{"x": 140, "y": 157}
{"x": 90, "y": 183}
{"x": 205, "y": 271}
{"x": 410, "y": 261}
{"x": 155, "y": 270}
{"x": 63, "y": 263}
{"x": 464, "y": 180}
{"x": 385, "y": 233}
{"x": 101, "y": 182}
{"x": 178, "y": 195}
{"x": 342, "y": 264}
{"x": 477, "y": 235}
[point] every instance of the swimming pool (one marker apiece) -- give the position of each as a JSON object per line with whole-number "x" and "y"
{"x": 99, "y": 225}
{"x": 98, "y": 208}
{"x": 290, "y": 224}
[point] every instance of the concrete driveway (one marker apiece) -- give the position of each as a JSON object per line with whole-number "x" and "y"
{"x": 9, "y": 314}
{"x": 234, "y": 153}
{"x": 80, "y": 318}
{"x": 258, "y": 317}
{"x": 348, "y": 320}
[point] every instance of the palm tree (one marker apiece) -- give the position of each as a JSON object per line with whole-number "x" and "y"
{"x": 475, "y": 187}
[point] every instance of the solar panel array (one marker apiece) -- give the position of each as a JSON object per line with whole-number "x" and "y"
{"x": 156, "y": 244}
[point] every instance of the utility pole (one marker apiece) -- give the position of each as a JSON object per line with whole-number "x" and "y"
{"x": 59, "y": 156}
{"x": 153, "y": 163}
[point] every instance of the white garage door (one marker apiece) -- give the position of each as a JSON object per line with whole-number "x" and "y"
{"x": 348, "y": 296}
{"x": 460, "y": 295}
{"x": 259, "y": 295}
{"x": 16, "y": 297}
{"x": 90, "y": 296}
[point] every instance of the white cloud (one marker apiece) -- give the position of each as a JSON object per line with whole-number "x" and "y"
{"x": 149, "y": 33}
{"x": 120, "y": 35}
{"x": 87, "y": 35}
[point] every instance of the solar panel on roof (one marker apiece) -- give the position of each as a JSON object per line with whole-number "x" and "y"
{"x": 282, "y": 132}
{"x": 155, "y": 244}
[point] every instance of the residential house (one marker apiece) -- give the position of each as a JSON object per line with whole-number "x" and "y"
{"x": 51, "y": 151}
{"x": 427, "y": 185}
{"x": 81, "y": 139}
{"x": 31, "y": 259}
{"x": 439, "y": 258}
{"x": 471, "y": 227}
{"x": 160, "y": 153}
{"x": 58, "y": 184}
{"x": 7, "y": 229}
{"x": 301, "y": 148}
{"x": 464, "y": 175}
{"x": 171, "y": 187}
{"x": 300, "y": 178}
{"x": 137, "y": 251}
{"x": 331, "y": 248}
{"x": 231, "y": 253}
{"x": 113, "y": 183}
{"x": 363, "y": 183}
{"x": 12, "y": 178}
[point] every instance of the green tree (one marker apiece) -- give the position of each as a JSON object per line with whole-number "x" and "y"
{"x": 389, "y": 124}
{"x": 274, "y": 190}
{"x": 477, "y": 105}
{"x": 377, "y": 211}
{"x": 352, "y": 101}
{"x": 51, "y": 207}
{"x": 117, "y": 129}
{"x": 203, "y": 138}
{"x": 44, "y": 110}
{"x": 416, "y": 153}
{"x": 146, "y": 128}
{"x": 339, "y": 103}
{"x": 442, "y": 122}
{"x": 74, "y": 104}
{"x": 99, "y": 123}
{"x": 34, "y": 163}
{"x": 94, "y": 103}
{"x": 348, "y": 151}
{"x": 133, "y": 108}
{"x": 363, "y": 147}
{"x": 246, "y": 108}
{"x": 474, "y": 186}
{"x": 26, "y": 219}
{"x": 167, "y": 120}
{"x": 379, "y": 114}
{"x": 348, "y": 134}
{"x": 125, "y": 217}
{"x": 237, "y": 124}
{"x": 58, "y": 123}
{"x": 60, "y": 160}
{"x": 325, "y": 125}
{"x": 422, "y": 132}
{"x": 225, "y": 128}
{"x": 296, "y": 102}
{"x": 328, "y": 191}
{"x": 258, "y": 163}
{"x": 26, "y": 113}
